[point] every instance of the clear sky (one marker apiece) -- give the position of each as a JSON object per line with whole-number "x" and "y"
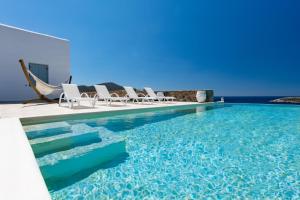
{"x": 236, "y": 47}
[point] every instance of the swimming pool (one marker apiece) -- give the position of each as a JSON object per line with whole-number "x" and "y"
{"x": 218, "y": 151}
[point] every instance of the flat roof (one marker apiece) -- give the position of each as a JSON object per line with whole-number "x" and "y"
{"x": 33, "y": 32}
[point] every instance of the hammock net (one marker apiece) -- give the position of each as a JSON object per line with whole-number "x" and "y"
{"x": 45, "y": 88}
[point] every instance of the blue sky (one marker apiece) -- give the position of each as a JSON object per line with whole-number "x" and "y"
{"x": 235, "y": 47}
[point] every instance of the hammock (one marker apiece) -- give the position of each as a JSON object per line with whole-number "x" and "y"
{"x": 41, "y": 88}
{"x": 45, "y": 88}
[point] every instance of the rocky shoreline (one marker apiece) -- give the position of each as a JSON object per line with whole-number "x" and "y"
{"x": 287, "y": 100}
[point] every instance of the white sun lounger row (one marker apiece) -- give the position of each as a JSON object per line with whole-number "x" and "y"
{"x": 72, "y": 95}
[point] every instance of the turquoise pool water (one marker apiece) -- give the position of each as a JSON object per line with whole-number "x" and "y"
{"x": 220, "y": 151}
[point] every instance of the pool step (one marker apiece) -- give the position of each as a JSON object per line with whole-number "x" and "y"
{"x": 47, "y": 129}
{"x": 81, "y": 135}
{"x": 65, "y": 164}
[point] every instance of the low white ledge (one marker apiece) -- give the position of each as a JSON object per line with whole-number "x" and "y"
{"x": 20, "y": 176}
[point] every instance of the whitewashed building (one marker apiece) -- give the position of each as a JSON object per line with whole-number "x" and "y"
{"x": 46, "y": 56}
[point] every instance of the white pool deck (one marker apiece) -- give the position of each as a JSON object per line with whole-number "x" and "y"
{"x": 20, "y": 177}
{"x": 20, "y": 174}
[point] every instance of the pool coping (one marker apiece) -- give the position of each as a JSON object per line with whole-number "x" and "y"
{"x": 105, "y": 113}
{"x": 20, "y": 174}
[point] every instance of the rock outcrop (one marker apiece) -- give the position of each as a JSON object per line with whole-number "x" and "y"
{"x": 287, "y": 100}
{"x": 110, "y": 86}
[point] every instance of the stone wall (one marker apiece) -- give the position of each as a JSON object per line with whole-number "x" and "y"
{"x": 189, "y": 95}
{"x": 182, "y": 95}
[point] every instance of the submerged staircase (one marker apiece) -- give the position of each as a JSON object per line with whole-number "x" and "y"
{"x": 64, "y": 151}
{"x": 80, "y": 135}
{"x": 46, "y": 130}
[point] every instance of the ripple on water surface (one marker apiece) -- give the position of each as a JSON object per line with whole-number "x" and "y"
{"x": 245, "y": 151}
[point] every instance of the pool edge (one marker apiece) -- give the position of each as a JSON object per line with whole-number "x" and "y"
{"x": 21, "y": 177}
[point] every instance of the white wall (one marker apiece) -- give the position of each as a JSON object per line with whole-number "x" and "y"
{"x": 35, "y": 48}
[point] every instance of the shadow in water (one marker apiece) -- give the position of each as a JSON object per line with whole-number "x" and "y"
{"x": 45, "y": 149}
{"x": 131, "y": 121}
{"x": 54, "y": 185}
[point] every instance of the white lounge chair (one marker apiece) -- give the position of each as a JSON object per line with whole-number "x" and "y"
{"x": 152, "y": 94}
{"x": 160, "y": 97}
{"x": 103, "y": 94}
{"x": 72, "y": 95}
{"x": 132, "y": 95}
